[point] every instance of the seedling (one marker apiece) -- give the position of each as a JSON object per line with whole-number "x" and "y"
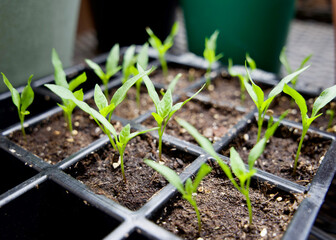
{"x": 120, "y": 141}
{"x": 242, "y": 77}
{"x": 237, "y": 164}
{"x": 210, "y": 54}
{"x": 164, "y": 107}
{"x": 162, "y": 48}
{"x": 189, "y": 187}
{"x": 60, "y": 79}
{"x": 285, "y": 63}
{"x": 128, "y": 63}
{"x": 257, "y": 95}
{"x": 325, "y": 97}
{"x": 23, "y": 101}
{"x": 111, "y": 67}
{"x": 142, "y": 60}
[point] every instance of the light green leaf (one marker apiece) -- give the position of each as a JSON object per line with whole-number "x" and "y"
{"x": 173, "y": 83}
{"x": 96, "y": 68}
{"x": 189, "y": 188}
{"x": 325, "y": 97}
{"x": 67, "y": 94}
{"x": 150, "y": 87}
{"x": 124, "y": 134}
{"x": 142, "y": 57}
{"x": 256, "y": 151}
{"x": 15, "y": 94}
{"x": 300, "y": 101}
{"x": 202, "y": 172}
{"x": 165, "y": 105}
{"x": 99, "y": 98}
{"x": 27, "y": 96}
{"x": 157, "y": 118}
{"x": 168, "y": 174}
{"x": 237, "y": 164}
{"x": 77, "y": 81}
{"x": 251, "y": 62}
{"x": 60, "y": 78}
{"x": 279, "y": 87}
{"x": 120, "y": 94}
{"x": 112, "y": 61}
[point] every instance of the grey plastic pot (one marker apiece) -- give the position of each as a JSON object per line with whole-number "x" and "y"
{"x": 29, "y": 30}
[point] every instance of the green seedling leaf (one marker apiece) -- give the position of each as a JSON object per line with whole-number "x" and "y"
{"x": 188, "y": 189}
{"x": 162, "y": 48}
{"x": 237, "y": 164}
{"x": 168, "y": 174}
{"x": 77, "y": 81}
{"x": 112, "y": 61}
{"x": 99, "y": 98}
{"x": 23, "y": 101}
{"x": 325, "y": 97}
{"x": 60, "y": 78}
{"x": 300, "y": 101}
{"x": 96, "y": 68}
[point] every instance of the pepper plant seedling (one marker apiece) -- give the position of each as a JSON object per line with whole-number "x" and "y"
{"x": 289, "y": 70}
{"x": 111, "y": 67}
{"x": 237, "y": 165}
{"x": 209, "y": 54}
{"x": 164, "y": 107}
{"x": 325, "y": 97}
{"x": 162, "y": 48}
{"x": 189, "y": 187}
{"x": 242, "y": 78}
{"x": 257, "y": 95}
{"x": 23, "y": 101}
{"x": 60, "y": 79}
{"x": 118, "y": 142}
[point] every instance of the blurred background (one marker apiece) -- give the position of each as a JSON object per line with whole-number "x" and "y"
{"x": 80, "y": 29}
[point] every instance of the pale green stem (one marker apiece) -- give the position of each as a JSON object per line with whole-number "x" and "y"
{"x": 68, "y": 118}
{"x": 21, "y": 116}
{"x": 163, "y": 65}
{"x": 122, "y": 163}
{"x": 304, "y": 132}
{"x": 260, "y": 123}
{"x": 193, "y": 203}
{"x": 207, "y": 76}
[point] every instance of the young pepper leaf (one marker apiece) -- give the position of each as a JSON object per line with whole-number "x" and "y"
{"x": 169, "y": 174}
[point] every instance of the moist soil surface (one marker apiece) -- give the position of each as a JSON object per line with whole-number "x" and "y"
{"x": 210, "y": 120}
{"x": 101, "y": 172}
{"x": 224, "y": 212}
{"x": 52, "y": 141}
{"x": 279, "y": 154}
{"x": 225, "y": 90}
{"x": 189, "y": 76}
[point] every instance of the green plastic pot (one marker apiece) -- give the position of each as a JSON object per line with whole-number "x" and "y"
{"x": 29, "y": 30}
{"x": 257, "y": 27}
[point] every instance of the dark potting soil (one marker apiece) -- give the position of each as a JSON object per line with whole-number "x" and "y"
{"x": 284, "y": 102}
{"x": 279, "y": 154}
{"x": 101, "y": 172}
{"x": 210, "y": 120}
{"x": 225, "y": 90}
{"x": 52, "y": 141}
{"x": 224, "y": 211}
{"x": 189, "y": 76}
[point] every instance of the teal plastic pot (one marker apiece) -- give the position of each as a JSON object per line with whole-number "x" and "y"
{"x": 257, "y": 27}
{"x": 29, "y": 30}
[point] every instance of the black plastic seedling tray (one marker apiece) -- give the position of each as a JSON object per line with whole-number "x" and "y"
{"x": 39, "y": 200}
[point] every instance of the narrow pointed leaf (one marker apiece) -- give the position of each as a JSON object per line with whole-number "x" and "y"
{"x": 279, "y": 87}
{"x": 325, "y": 97}
{"x": 237, "y": 164}
{"x": 60, "y": 78}
{"x": 124, "y": 134}
{"x": 99, "y": 98}
{"x": 27, "y": 95}
{"x": 15, "y": 94}
{"x": 300, "y": 101}
{"x": 112, "y": 61}
{"x": 202, "y": 172}
{"x": 77, "y": 81}
{"x": 168, "y": 174}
